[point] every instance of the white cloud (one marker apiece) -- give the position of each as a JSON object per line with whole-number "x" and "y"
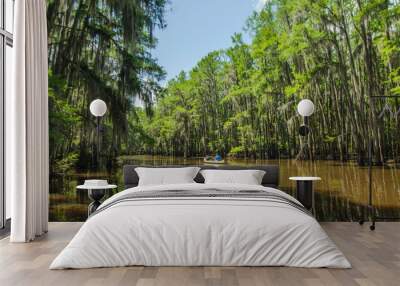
{"x": 259, "y": 4}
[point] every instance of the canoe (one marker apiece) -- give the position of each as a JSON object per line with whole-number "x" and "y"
{"x": 208, "y": 161}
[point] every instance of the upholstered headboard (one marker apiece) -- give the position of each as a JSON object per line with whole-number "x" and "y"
{"x": 271, "y": 177}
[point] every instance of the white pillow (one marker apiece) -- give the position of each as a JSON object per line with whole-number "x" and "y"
{"x": 248, "y": 177}
{"x": 166, "y": 176}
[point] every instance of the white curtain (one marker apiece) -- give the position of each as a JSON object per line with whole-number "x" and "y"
{"x": 27, "y": 124}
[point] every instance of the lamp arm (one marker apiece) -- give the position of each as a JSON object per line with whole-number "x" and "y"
{"x": 98, "y": 118}
{"x": 306, "y": 120}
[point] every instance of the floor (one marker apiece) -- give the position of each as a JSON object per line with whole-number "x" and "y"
{"x": 375, "y": 257}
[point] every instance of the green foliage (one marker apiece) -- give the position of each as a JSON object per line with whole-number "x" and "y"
{"x": 100, "y": 49}
{"x": 65, "y": 164}
{"x": 242, "y": 101}
{"x": 236, "y": 151}
{"x": 62, "y": 118}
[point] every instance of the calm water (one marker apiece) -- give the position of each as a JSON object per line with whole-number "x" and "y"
{"x": 338, "y": 197}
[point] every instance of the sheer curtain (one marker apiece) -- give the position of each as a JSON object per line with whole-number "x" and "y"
{"x": 27, "y": 124}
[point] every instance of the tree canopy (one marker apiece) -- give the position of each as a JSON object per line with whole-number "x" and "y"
{"x": 242, "y": 101}
{"x": 98, "y": 49}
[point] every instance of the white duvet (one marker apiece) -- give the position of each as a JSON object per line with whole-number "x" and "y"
{"x": 202, "y": 232}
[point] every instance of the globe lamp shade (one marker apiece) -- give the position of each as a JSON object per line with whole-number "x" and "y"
{"x": 305, "y": 107}
{"x": 98, "y": 107}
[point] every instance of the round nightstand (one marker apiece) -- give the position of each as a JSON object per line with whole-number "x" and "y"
{"x": 305, "y": 193}
{"x": 95, "y": 193}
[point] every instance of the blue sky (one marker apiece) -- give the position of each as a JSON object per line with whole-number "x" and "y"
{"x": 197, "y": 27}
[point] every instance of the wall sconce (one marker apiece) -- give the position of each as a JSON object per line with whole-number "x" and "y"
{"x": 305, "y": 108}
{"x": 98, "y": 108}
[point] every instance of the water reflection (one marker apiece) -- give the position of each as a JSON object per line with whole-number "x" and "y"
{"x": 339, "y": 196}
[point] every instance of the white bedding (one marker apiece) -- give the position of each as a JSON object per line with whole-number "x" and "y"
{"x": 202, "y": 232}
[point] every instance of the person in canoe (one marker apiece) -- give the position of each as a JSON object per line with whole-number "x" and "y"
{"x": 214, "y": 160}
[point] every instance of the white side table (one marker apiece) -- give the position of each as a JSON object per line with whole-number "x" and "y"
{"x": 305, "y": 192}
{"x": 95, "y": 193}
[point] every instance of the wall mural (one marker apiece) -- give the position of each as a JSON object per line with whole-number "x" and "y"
{"x": 239, "y": 102}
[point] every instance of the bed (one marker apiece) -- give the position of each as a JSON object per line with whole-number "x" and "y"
{"x": 197, "y": 224}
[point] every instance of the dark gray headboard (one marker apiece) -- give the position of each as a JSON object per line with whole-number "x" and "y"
{"x": 271, "y": 177}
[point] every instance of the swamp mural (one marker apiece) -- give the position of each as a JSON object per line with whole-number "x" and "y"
{"x": 239, "y": 102}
